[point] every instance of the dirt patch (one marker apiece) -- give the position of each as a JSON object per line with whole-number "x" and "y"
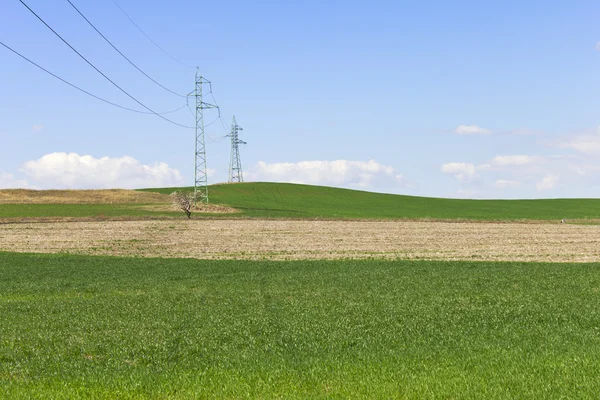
{"x": 281, "y": 240}
{"x": 109, "y": 196}
{"x": 200, "y": 208}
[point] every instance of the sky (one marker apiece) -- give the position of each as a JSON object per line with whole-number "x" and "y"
{"x": 467, "y": 99}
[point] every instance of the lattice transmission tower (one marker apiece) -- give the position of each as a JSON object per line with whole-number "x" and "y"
{"x": 200, "y": 176}
{"x": 235, "y": 165}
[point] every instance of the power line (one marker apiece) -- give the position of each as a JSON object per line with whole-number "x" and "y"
{"x": 149, "y": 38}
{"x": 207, "y": 125}
{"x": 101, "y": 73}
{"x": 123, "y": 55}
{"x": 219, "y": 109}
{"x": 80, "y": 89}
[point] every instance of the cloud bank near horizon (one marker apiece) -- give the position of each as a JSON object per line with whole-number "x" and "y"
{"x": 74, "y": 171}
{"x": 341, "y": 173}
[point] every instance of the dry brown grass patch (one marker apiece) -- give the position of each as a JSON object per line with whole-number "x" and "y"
{"x": 108, "y": 196}
{"x": 200, "y": 208}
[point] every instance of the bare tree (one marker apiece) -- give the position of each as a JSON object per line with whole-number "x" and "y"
{"x": 184, "y": 201}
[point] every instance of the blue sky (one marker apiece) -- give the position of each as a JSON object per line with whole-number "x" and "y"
{"x": 449, "y": 99}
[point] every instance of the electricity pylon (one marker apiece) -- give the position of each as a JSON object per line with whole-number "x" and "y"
{"x": 235, "y": 165}
{"x": 200, "y": 177}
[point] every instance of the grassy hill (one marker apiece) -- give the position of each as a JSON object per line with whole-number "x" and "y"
{"x": 277, "y": 200}
{"x": 285, "y": 200}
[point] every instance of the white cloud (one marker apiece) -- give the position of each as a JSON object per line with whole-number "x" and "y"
{"x": 464, "y": 172}
{"x": 517, "y": 171}
{"x": 8, "y": 181}
{"x": 362, "y": 174}
{"x": 574, "y": 171}
{"x": 548, "y": 182}
{"x": 472, "y": 130}
{"x": 515, "y": 160}
{"x": 584, "y": 169}
{"x": 505, "y": 184}
{"x": 586, "y": 143}
{"x": 62, "y": 170}
{"x": 37, "y": 128}
{"x": 598, "y": 46}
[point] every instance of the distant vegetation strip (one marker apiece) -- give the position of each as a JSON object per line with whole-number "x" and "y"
{"x": 101, "y": 327}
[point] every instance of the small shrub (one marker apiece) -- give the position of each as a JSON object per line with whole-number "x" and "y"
{"x": 184, "y": 201}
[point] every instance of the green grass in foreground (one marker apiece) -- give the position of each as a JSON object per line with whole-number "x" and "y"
{"x": 286, "y": 200}
{"x": 100, "y": 327}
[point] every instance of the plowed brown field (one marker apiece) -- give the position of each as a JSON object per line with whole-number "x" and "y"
{"x": 259, "y": 239}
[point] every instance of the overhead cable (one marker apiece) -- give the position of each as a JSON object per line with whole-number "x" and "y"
{"x": 149, "y": 38}
{"x": 123, "y": 55}
{"x": 219, "y": 108}
{"x": 209, "y": 124}
{"x": 80, "y": 89}
{"x": 101, "y": 73}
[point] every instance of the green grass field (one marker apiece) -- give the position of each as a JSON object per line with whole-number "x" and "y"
{"x": 282, "y": 200}
{"x": 275, "y": 200}
{"x": 99, "y": 211}
{"x": 99, "y": 327}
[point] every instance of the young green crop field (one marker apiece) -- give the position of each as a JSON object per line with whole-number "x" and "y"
{"x": 286, "y": 200}
{"x": 126, "y": 328}
{"x": 97, "y": 211}
{"x": 282, "y": 200}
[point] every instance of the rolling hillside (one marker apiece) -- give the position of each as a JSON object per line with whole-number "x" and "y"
{"x": 285, "y": 200}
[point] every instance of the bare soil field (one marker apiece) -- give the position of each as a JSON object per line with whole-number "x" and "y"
{"x": 285, "y": 240}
